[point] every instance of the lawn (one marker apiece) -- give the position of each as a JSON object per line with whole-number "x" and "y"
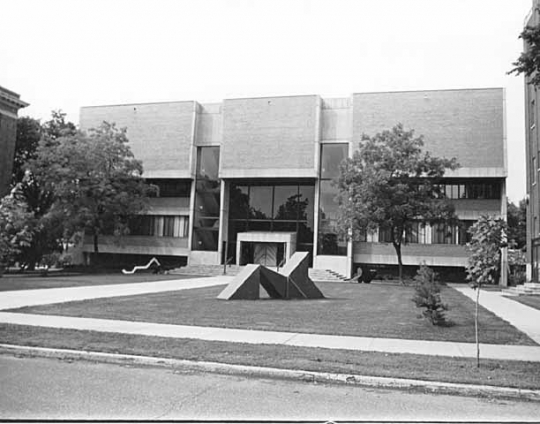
{"x": 525, "y": 375}
{"x": 532, "y": 301}
{"x": 57, "y": 279}
{"x": 374, "y": 310}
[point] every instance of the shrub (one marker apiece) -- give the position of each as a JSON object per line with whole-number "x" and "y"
{"x": 427, "y": 295}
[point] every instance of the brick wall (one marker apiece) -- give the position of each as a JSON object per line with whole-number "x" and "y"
{"x": 270, "y": 137}
{"x": 466, "y": 124}
{"x": 160, "y": 134}
{"x": 8, "y": 134}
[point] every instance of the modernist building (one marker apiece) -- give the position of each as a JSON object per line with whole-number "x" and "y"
{"x": 250, "y": 180}
{"x": 10, "y": 103}
{"x": 533, "y": 165}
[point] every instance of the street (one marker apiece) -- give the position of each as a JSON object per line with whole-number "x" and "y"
{"x": 39, "y": 388}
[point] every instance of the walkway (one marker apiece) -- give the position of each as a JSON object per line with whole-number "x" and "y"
{"x": 523, "y": 317}
{"x": 20, "y": 298}
{"x": 16, "y": 299}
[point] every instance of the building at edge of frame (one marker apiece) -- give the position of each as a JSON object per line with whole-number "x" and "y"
{"x": 10, "y": 103}
{"x": 249, "y": 180}
{"x": 533, "y": 166}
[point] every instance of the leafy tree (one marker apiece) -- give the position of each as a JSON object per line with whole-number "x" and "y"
{"x": 517, "y": 224}
{"x": 14, "y": 231}
{"x": 528, "y": 63}
{"x": 96, "y": 181}
{"x": 390, "y": 183}
{"x": 488, "y": 236}
{"x": 45, "y": 221}
{"x": 28, "y": 135}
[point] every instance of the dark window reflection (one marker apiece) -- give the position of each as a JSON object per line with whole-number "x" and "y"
{"x": 272, "y": 207}
{"x": 331, "y": 157}
{"x": 260, "y": 201}
{"x": 328, "y": 203}
{"x": 239, "y": 202}
{"x": 208, "y": 163}
{"x": 286, "y": 202}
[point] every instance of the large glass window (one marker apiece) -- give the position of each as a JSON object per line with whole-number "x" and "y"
{"x": 208, "y": 163}
{"x": 329, "y": 240}
{"x": 260, "y": 202}
{"x": 331, "y": 156}
{"x": 207, "y": 200}
{"x": 270, "y": 207}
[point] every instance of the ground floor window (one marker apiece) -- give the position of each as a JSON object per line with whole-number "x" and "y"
{"x": 159, "y": 226}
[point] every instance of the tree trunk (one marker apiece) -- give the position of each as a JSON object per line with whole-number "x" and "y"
{"x": 476, "y": 328}
{"x": 397, "y": 248}
{"x": 96, "y": 248}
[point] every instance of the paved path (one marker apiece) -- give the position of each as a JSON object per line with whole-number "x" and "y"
{"x": 19, "y": 298}
{"x": 420, "y": 347}
{"x": 524, "y": 318}
{"x": 16, "y": 299}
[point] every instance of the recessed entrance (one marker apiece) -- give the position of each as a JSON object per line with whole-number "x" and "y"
{"x": 265, "y": 248}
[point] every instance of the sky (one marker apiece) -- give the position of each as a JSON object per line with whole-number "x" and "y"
{"x": 65, "y": 54}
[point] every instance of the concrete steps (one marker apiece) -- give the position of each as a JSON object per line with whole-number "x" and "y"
{"x": 206, "y": 270}
{"x": 325, "y": 275}
{"x": 316, "y": 275}
{"x": 523, "y": 289}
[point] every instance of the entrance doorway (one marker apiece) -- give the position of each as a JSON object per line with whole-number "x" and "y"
{"x": 268, "y": 249}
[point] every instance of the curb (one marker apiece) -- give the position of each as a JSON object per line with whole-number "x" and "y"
{"x": 266, "y": 372}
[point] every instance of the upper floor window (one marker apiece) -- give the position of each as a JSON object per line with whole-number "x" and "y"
{"x": 168, "y": 187}
{"x": 332, "y": 154}
{"x": 208, "y": 163}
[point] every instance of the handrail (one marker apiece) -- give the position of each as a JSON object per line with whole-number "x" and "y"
{"x": 227, "y": 262}
{"x": 281, "y": 264}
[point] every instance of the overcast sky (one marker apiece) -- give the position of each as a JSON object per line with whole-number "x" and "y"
{"x": 64, "y": 54}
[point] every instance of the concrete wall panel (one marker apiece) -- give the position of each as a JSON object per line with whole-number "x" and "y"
{"x": 269, "y": 137}
{"x": 160, "y": 134}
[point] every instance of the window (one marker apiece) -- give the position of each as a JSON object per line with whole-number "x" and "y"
{"x": 443, "y": 234}
{"x": 159, "y": 226}
{"x": 331, "y": 157}
{"x": 207, "y": 200}
{"x": 532, "y": 114}
{"x": 171, "y": 187}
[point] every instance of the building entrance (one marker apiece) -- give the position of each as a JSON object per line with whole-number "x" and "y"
{"x": 268, "y": 249}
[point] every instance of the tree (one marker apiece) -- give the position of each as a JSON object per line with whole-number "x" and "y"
{"x": 45, "y": 221}
{"x": 528, "y": 62}
{"x": 14, "y": 231}
{"x": 517, "y": 224}
{"x": 28, "y": 135}
{"x": 390, "y": 183}
{"x": 96, "y": 181}
{"x": 488, "y": 236}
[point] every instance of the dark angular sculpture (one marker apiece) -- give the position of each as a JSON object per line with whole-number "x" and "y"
{"x": 291, "y": 282}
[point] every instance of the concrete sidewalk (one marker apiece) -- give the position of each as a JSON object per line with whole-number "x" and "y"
{"x": 524, "y": 318}
{"x": 17, "y": 299}
{"x": 20, "y": 298}
{"x": 419, "y": 347}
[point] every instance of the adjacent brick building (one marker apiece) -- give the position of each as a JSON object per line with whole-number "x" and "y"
{"x": 10, "y": 103}
{"x": 533, "y": 165}
{"x": 250, "y": 180}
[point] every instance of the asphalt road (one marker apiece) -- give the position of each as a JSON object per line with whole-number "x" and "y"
{"x": 38, "y": 388}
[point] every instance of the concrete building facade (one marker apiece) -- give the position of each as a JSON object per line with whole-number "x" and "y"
{"x": 250, "y": 180}
{"x": 10, "y": 103}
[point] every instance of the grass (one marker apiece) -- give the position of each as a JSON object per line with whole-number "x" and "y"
{"x": 532, "y": 301}
{"x": 350, "y": 309}
{"x": 525, "y": 375}
{"x": 56, "y": 280}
